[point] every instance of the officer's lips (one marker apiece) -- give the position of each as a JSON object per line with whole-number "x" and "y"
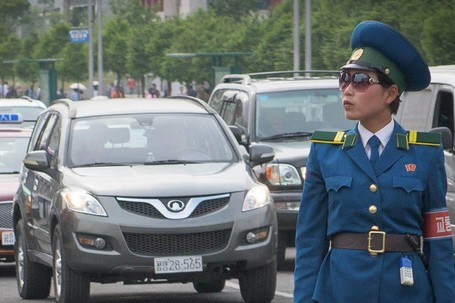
{"x": 347, "y": 104}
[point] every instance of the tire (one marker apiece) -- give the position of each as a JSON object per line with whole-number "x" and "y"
{"x": 215, "y": 285}
{"x": 69, "y": 286}
{"x": 258, "y": 285}
{"x": 281, "y": 251}
{"x": 33, "y": 279}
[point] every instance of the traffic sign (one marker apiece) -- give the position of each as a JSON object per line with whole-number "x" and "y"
{"x": 79, "y": 36}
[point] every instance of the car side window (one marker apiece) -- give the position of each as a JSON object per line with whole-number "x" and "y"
{"x": 444, "y": 111}
{"x": 47, "y": 136}
{"x": 230, "y": 105}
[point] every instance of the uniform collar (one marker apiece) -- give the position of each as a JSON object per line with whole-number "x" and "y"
{"x": 383, "y": 134}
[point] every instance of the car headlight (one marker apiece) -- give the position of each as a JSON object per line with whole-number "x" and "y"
{"x": 82, "y": 202}
{"x": 258, "y": 196}
{"x": 282, "y": 174}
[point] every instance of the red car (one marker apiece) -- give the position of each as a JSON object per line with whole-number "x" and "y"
{"x": 13, "y": 145}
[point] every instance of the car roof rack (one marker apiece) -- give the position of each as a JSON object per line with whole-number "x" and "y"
{"x": 68, "y": 103}
{"x": 296, "y": 74}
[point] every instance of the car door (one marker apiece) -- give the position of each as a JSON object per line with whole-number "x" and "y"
{"x": 42, "y": 185}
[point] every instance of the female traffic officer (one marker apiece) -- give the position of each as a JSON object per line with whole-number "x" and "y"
{"x": 373, "y": 224}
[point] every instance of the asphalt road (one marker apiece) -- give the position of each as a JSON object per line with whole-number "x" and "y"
{"x": 156, "y": 293}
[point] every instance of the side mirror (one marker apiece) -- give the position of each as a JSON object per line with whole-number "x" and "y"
{"x": 260, "y": 154}
{"x": 37, "y": 160}
{"x": 447, "y": 141}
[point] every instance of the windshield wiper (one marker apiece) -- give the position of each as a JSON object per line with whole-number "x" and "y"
{"x": 288, "y": 135}
{"x": 101, "y": 164}
{"x": 9, "y": 172}
{"x": 171, "y": 161}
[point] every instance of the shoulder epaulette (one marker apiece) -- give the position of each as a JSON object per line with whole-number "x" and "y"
{"x": 424, "y": 138}
{"x": 328, "y": 137}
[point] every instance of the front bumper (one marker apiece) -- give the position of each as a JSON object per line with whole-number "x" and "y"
{"x": 287, "y": 204}
{"x": 135, "y": 240}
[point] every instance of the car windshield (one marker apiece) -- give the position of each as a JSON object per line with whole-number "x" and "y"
{"x": 151, "y": 139}
{"x": 299, "y": 113}
{"x": 12, "y": 152}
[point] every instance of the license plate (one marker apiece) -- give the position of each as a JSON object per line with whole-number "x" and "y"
{"x": 8, "y": 238}
{"x": 178, "y": 264}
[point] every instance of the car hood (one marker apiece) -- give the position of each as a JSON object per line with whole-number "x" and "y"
{"x": 8, "y": 186}
{"x": 161, "y": 180}
{"x": 294, "y": 152}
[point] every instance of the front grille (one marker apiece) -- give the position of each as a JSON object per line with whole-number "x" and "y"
{"x": 177, "y": 244}
{"x": 209, "y": 206}
{"x": 146, "y": 209}
{"x": 141, "y": 208}
{"x": 6, "y": 217}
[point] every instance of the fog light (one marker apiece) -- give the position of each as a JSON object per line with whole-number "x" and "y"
{"x": 250, "y": 237}
{"x": 257, "y": 235}
{"x": 92, "y": 242}
{"x": 100, "y": 243}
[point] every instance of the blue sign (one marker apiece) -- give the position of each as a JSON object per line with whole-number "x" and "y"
{"x": 10, "y": 118}
{"x": 79, "y": 36}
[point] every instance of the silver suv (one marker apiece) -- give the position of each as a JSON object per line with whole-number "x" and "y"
{"x": 282, "y": 110}
{"x": 141, "y": 191}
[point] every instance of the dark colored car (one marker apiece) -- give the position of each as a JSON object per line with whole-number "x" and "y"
{"x": 13, "y": 146}
{"x": 141, "y": 191}
{"x": 281, "y": 110}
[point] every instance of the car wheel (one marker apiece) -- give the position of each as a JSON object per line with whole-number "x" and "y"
{"x": 281, "y": 252}
{"x": 258, "y": 285}
{"x": 215, "y": 285}
{"x": 69, "y": 286}
{"x": 33, "y": 279}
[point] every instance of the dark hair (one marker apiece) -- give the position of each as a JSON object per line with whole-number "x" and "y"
{"x": 387, "y": 82}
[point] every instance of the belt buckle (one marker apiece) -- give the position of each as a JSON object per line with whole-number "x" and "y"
{"x": 375, "y": 252}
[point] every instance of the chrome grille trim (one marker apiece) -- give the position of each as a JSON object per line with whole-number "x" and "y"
{"x": 196, "y": 206}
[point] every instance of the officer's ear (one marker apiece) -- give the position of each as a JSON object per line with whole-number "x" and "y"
{"x": 392, "y": 93}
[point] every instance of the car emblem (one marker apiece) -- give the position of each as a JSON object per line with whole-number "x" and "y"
{"x": 175, "y": 205}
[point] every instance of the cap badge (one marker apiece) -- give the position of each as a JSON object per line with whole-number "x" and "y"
{"x": 357, "y": 54}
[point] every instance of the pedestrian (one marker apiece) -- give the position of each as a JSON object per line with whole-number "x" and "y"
{"x": 153, "y": 92}
{"x": 366, "y": 211}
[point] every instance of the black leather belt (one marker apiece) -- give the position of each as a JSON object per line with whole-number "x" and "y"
{"x": 376, "y": 242}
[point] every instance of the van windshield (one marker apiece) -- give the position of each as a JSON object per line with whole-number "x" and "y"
{"x": 300, "y": 112}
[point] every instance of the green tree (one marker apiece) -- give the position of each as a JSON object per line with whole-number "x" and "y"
{"x": 115, "y": 34}
{"x": 438, "y": 40}
{"x": 11, "y": 13}
{"x": 234, "y": 8}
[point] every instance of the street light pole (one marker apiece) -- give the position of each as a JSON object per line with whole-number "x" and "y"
{"x": 90, "y": 50}
{"x": 100, "y": 48}
{"x": 308, "y": 54}
{"x": 296, "y": 35}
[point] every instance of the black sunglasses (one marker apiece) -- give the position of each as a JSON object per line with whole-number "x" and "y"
{"x": 359, "y": 81}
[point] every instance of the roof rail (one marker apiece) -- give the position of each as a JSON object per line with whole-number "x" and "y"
{"x": 236, "y": 78}
{"x": 27, "y": 98}
{"x": 68, "y": 103}
{"x": 295, "y": 72}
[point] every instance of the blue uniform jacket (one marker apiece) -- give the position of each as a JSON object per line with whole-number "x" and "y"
{"x": 337, "y": 198}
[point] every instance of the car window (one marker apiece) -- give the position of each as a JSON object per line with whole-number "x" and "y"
{"x": 29, "y": 113}
{"x": 143, "y": 138}
{"x": 300, "y": 111}
{"x": 231, "y": 105}
{"x": 45, "y": 134}
{"x": 12, "y": 152}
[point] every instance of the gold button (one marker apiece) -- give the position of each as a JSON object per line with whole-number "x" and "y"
{"x": 373, "y": 188}
{"x": 374, "y": 227}
{"x": 372, "y": 209}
